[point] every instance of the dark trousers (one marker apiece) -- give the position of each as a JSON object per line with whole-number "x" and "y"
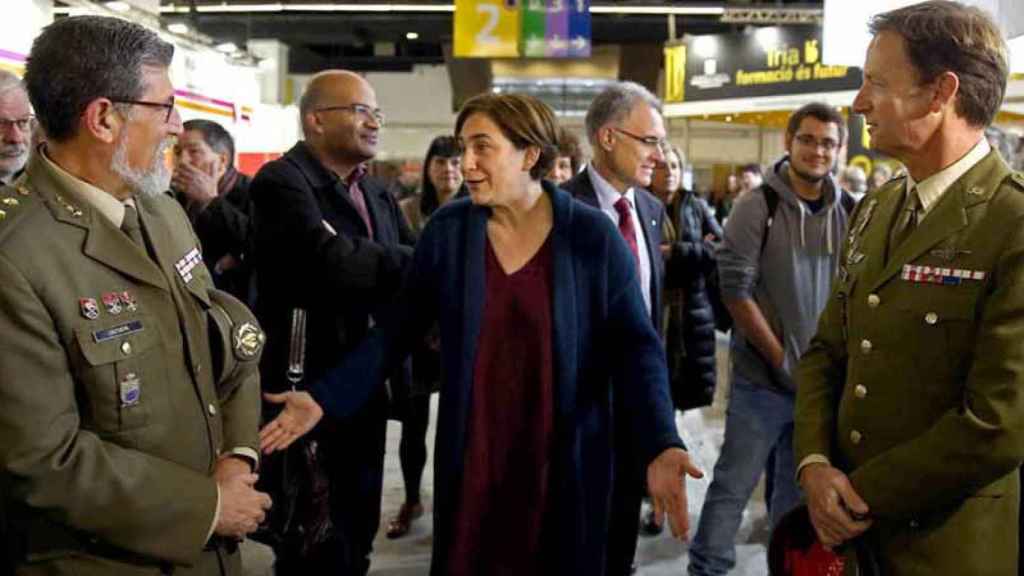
{"x": 412, "y": 451}
{"x": 353, "y": 457}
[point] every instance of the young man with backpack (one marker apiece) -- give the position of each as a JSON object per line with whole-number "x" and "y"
{"x": 776, "y": 263}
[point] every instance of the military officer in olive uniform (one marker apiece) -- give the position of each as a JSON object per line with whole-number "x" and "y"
{"x": 910, "y": 402}
{"x": 129, "y": 394}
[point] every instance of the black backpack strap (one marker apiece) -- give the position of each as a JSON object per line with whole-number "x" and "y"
{"x": 847, "y": 201}
{"x": 771, "y": 199}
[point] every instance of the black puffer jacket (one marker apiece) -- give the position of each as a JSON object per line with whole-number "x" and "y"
{"x": 690, "y": 339}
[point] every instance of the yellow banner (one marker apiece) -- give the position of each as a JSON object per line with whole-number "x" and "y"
{"x": 675, "y": 73}
{"x": 486, "y": 29}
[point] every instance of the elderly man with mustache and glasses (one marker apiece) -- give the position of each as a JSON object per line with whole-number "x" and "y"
{"x": 16, "y": 124}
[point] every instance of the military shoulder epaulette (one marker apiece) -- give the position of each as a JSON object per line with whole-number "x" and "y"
{"x": 11, "y": 199}
{"x": 1018, "y": 179}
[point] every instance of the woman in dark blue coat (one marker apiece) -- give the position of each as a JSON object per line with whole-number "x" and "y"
{"x": 541, "y": 318}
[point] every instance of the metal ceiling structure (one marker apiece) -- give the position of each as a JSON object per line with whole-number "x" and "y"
{"x": 320, "y": 37}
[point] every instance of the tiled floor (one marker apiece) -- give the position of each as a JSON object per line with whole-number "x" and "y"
{"x": 657, "y": 556}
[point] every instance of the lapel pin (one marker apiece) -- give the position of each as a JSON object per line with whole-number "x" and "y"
{"x": 112, "y": 302}
{"x": 90, "y": 310}
{"x": 949, "y": 254}
{"x": 128, "y": 300}
{"x": 976, "y": 191}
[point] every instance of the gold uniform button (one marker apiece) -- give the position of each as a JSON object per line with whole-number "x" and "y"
{"x": 865, "y": 346}
{"x": 874, "y": 300}
{"x": 126, "y": 348}
{"x": 931, "y": 318}
{"x": 855, "y": 436}
{"x": 211, "y": 409}
{"x": 860, "y": 391}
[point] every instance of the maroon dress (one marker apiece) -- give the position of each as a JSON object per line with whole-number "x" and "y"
{"x": 503, "y": 498}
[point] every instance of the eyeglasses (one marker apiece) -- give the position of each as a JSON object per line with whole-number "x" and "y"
{"x": 827, "y": 144}
{"x": 168, "y": 105}
{"x": 650, "y": 141}
{"x": 363, "y": 110}
{"x": 22, "y": 124}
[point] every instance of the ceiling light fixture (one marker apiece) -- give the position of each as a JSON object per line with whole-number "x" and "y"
{"x": 226, "y": 47}
{"x": 660, "y": 10}
{"x": 178, "y": 28}
{"x": 412, "y": 36}
{"x": 384, "y": 7}
{"x": 119, "y": 6}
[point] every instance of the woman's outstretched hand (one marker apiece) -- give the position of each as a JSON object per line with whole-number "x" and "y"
{"x": 300, "y": 414}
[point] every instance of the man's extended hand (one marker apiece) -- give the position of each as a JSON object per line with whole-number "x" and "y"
{"x": 242, "y": 507}
{"x": 666, "y": 483}
{"x": 197, "y": 185}
{"x": 837, "y": 512}
{"x": 301, "y": 413}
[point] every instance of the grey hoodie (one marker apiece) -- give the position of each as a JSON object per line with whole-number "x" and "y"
{"x": 791, "y": 280}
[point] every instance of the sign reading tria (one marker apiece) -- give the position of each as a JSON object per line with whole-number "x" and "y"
{"x": 527, "y": 28}
{"x": 769, "y": 62}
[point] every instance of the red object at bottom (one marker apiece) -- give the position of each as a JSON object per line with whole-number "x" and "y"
{"x": 813, "y": 561}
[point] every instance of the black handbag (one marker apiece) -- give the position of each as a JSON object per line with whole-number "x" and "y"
{"x": 299, "y": 523}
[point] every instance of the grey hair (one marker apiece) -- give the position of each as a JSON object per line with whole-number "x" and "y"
{"x": 10, "y": 81}
{"x": 79, "y": 59}
{"x": 615, "y": 103}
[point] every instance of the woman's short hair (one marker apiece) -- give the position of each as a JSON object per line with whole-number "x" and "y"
{"x": 443, "y": 147}
{"x": 523, "y": 119}
{"x": 569, "y": 146}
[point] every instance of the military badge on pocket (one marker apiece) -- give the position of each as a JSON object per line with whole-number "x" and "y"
{"x": 130, "y": 390}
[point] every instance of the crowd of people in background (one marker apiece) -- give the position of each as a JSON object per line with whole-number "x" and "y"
{"x": 175, "y": 331}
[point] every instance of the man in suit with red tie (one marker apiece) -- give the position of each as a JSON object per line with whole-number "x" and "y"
{"x": 627, "y": 135}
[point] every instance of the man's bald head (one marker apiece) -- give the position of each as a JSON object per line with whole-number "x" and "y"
{"x": 340, "y": 119}
{"x": 328, "y": 88}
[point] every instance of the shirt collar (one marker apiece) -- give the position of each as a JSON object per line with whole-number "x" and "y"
{"x": 933, "y": 187}
{"x": 111, "y": 208}
{"x": 606, "y": 194}
{"x": 355, "y": 176}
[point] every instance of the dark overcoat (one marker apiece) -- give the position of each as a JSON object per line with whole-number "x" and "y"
{"x": 609, "y": 367}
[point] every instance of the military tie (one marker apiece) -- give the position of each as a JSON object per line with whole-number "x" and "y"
{"x": 907, "y": 221}
{"x": 130, "y": 226}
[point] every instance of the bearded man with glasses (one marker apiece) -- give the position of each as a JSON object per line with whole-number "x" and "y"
{"x": 16, "y": 125}
{"x": 130, "y": 385}
{"x": 775, "y": 266}
{"x": 332, "y": 242}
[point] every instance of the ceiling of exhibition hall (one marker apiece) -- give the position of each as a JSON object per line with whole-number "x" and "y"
{"x": 390, "y": 35}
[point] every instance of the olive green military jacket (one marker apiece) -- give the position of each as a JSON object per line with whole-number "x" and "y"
{"x": 914, "y": 383}
{"x": 116, "y": 397}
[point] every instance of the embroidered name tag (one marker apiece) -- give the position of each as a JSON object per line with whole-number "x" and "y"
{"x": 934, "y": 275}
{"x": 187, "y": 263}
{"x": 117, "y": 331}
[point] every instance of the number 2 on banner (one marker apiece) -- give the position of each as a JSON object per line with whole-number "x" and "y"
{"x": 486, "y": 29}
{"x": 486, "y": 34}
